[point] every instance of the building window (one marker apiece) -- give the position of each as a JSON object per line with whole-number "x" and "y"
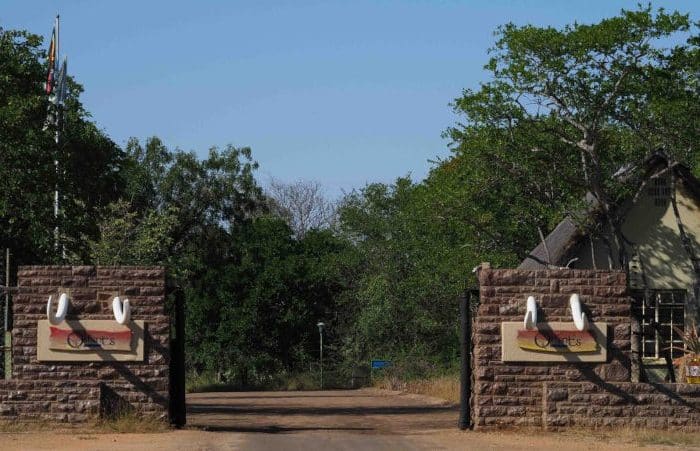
{"x": 661, "y": 311}
{"x": 660, "y": 191}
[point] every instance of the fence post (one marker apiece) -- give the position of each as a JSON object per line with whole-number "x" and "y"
{"x": 465, "y": 352}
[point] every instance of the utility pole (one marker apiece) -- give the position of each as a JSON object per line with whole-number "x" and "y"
{"x": 320, "y": 326}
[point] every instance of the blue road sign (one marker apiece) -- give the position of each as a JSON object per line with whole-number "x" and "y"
{"x": 377, "y": 364}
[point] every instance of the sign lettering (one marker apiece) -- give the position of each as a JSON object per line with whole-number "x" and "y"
{"x": 559, "y": 341}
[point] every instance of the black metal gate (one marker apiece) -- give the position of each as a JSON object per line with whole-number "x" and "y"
{"x": 468, "y": 303}
{"x": 178, "y": 407}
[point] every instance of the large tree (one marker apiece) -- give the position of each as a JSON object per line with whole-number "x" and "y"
{"x": 414, "y": 261}
{"x": 88, "y": 169}
{"x": 26, "y": 151}
{"x": 302, "y": 204}
{"x": 564, "y": 110}
{"x": 567, "y": 108}
{"x": 257, "y": 311}
{"x": 177, "y": 209}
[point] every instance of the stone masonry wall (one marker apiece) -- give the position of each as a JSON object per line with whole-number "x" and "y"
{"x": 560, "y": 395}
{"x": 65, "y": 401}
{"x": 623, "y": 404}
{"x": 76, "y": 391}
{"x": 511, "y": 394}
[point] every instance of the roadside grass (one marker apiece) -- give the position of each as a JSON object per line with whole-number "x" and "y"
{"x": 132, "y": 422}
{"x": 209, "y": 382}
{"x": 203, "y": 382}
{"x": 126, "y": 422}
{"x": 673, "y": 438}
{"x": 300, "y": 381}
{"x": 444, "y": 387}
{"x": 297, "y": 381}
{"x": 12, "y": 427}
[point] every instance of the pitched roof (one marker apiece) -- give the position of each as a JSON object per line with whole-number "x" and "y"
{"x": 567, "y": 234}
{"x": 560, "y": 241}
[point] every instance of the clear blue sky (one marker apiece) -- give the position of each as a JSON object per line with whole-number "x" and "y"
{"x": 344, "y": 93}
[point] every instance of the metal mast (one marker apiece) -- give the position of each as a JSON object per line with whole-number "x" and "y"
{"x": 56, "y": 137}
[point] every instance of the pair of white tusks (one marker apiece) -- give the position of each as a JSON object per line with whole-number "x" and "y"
{"x": 122, "y": 311}
{"x": 580, "y": 320}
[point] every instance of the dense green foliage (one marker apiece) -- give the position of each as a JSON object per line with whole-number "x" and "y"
{"x": 563, "y": 111}
{"x": 257, "y": 312}
{"x": 27, "y": 153}
{"x": 567, "y": 109}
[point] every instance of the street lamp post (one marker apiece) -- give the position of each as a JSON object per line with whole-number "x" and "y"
{"x": 320, "y": 326}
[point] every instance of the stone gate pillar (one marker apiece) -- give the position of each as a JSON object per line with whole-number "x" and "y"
{"x": 91, "y": 375}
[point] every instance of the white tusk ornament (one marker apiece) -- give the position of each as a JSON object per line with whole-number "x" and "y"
{"x": 580, "y": 320}
{"x": 61, "y": 311}
{"x": 530, "y": 321}
{"x": 122, "y": 311}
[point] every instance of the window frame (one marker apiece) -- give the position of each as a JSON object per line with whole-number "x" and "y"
{"x": 652, "y": 302}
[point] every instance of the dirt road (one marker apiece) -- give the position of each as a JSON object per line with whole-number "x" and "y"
{"x": 315, "y": 421}
{"x": 361, "y": 419}
{"x": 366, "y": 411}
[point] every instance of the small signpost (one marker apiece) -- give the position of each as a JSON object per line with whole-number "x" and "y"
{"x": 379, "y": 364}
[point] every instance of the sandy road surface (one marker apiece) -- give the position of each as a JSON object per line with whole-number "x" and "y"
{"x": 365, "y": 411}
{"x": 312, "y": 421}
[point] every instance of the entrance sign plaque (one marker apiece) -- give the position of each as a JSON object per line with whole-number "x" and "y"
{"x": 90, "y": 340}
{"x": 553, "y": 342}
{"x": 560, "y": 341}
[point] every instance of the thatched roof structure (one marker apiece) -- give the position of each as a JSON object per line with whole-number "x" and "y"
{"x": 567, "y": 235}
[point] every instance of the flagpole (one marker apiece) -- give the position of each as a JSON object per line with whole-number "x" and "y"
{"x": 57, "y": 139}
{"x": 58, "y": 34}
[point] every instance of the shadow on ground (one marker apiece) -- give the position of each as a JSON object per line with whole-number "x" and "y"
{"x": 278, "y": 429}
{"x": 279, "y": 410}
{"x": 359, "y": 411}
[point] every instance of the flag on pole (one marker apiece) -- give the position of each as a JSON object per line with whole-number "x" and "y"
{"x": 52, "y": 56}
{"x": 61, "y": 82}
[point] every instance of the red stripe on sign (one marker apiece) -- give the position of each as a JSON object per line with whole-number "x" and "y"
{"x": 58, "y": 333}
